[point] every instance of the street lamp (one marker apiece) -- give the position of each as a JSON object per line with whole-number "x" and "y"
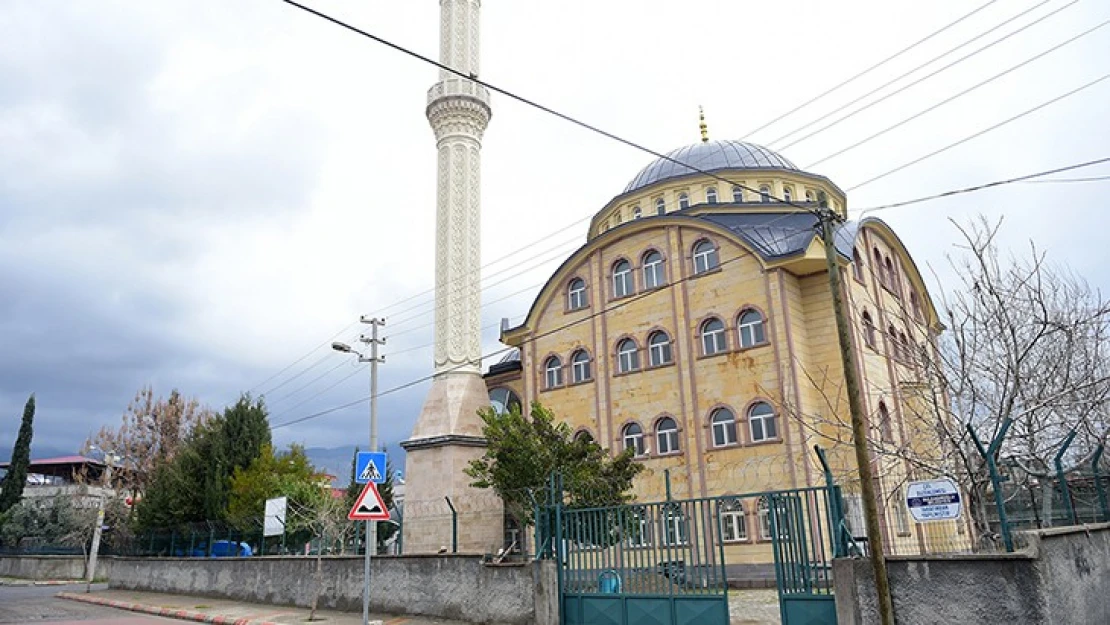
{"x": 110, "y": 458}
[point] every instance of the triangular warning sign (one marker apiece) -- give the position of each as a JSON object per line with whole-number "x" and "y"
{"x": 369, "y": 505}
{"x": 370, "y": 473}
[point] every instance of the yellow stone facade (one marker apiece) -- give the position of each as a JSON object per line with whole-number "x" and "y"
{"x": 796, "y": 368}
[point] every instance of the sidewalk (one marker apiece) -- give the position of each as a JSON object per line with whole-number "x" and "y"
{"x": 19, "y": 581}
{"x": 206, "y": 610}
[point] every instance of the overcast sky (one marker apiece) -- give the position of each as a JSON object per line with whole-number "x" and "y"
{"x": 195, "y": 193}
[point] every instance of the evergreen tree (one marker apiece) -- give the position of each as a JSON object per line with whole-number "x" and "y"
{"x": 353, "y": 487}
{"x": 11, "y": 488}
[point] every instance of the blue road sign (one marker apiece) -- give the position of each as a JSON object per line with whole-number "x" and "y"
{"x": 370, "y": 467}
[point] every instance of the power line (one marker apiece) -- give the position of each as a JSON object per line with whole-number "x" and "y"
{"x": 998, "y": 183}
{"x": 301, "y": 359}
{"x": 957, "y": 95}
{"x": 981, "y": 132}
{"x": 1055, "y": 180}
{"x": 868, "y": 70}
{"x": 919, "y": 80}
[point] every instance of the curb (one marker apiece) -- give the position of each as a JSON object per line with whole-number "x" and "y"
{"x": 40, "y": 582}
{"x": 187, "y": 615}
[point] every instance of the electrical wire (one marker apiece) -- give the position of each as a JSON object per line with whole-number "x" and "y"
{"x": 952, "y": 98}
{"x": 870, "y": 69}
{"x": 980, "y": 133}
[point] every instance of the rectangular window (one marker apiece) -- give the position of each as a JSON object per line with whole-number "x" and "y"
{"x": 734, "y": 526}
{"x": 653, "y": 274}
{"x": 668, "y": 441}
{"x": 674, "y": 528}
{"x": 622, "y": 284}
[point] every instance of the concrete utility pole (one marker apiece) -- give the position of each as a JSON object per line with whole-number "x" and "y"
{"x": 859, "y": 428}
{"x": 106, "y": 483}
{"x": 371, "y": 526}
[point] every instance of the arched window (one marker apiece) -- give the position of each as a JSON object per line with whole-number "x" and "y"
{"x": 750, "y": 328}
{"x": 885, "y": 426}
{"x": 503, "y": 400}
{"x": 857, "y": 265}
{"x": 636, "y": 213}
{"x": 878, "y": 265}
{"x": 632, "y": 436}
{"x": 761, "y": 422}
{"x": 683, "y": 200}
{"x": 787, "y": 194}
{"x": 915, "y": 305}
{"x": 711, "y": 195}
{"x": 580, "y": 366}
{"x": 659, "y": 348}
{"x": 628, "y": 356}
{"x": 617, "y": 218}
{"x": 673, "y": 519}
{"x": 734, "y": 526}
{"x": 576, "y": 294}
{"x": 666, "y": 436}
{"x": 660, "y": 206}
{"x": 904, "y": 344}
{"x": 584, "y": 436}
{"x": 723, "y": 423}
{"x": 622, "y": 279}
{"x": 809, "y": 196}
{"x": 553, "y": 372}
{"x": 764, "y": 515}
{"x": 737, "y": 194}
{"x": 653, "y": 270}
{"x": 891, "y": 276}
{"x": 895, "y": 346}
{"x": 868, "y": 330}
{"x": 764, "y": 194}
{"x": 713, "y": 337}
{"x": 705, "y": 256}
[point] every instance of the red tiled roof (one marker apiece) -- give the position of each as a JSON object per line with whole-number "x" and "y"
{"x": 61, "y": 460}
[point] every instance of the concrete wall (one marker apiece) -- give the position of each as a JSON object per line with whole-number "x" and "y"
{"x": 51, "y": 567}
{"x": 1061, "y": 576}
{"x": 454, "y": 587}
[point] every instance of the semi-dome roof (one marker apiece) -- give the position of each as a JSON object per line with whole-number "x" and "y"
{"x": 709, "y": 156}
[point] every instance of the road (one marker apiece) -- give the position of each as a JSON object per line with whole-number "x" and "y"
{"x": 38, "y": 605}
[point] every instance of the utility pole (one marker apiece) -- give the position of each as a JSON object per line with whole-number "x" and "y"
{"x": 859, "y": 428}
{"x": 371, "y": 526}
{"x": 106, "y": 483}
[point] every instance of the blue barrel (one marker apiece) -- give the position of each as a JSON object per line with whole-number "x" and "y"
{"x": 609, "y": 582}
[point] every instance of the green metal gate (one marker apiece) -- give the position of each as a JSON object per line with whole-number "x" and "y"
{"x": 641, "y": 564}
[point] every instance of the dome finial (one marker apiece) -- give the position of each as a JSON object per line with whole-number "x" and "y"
{"x": 704, "y": 128}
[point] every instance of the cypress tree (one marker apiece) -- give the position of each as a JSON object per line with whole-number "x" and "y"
{"x": 11, "y": 489}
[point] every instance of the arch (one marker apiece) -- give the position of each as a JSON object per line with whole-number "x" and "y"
{"x": 734, "y": 523}
{"x": 654, "y": 269}
{"x": 722, "y": 427}
{"x": 857, "y": 265}
{"x": 659, "y": 348}
{"x": 711, "y": 195}
{"x": 868, "y": 329}
{"x": 810, "y": 196}
{"x": 683, "y": 200}
{"x": 628, "y": 355}
{"x": 636, "y": 212}
{"x": 553, "y": 371}
{"x": 738, "y": 194}
{"x": 584, "y": 432}
{"x": 503, "y": 398}
{"x": 580, "y": 368}
{"x": 666, "y": 435}
{"x": 895, "y": 348}
{"x": 904, "y": 344}
{"x": 706, "y": 255}
{"x": 660, "y": 206}
{"x": 787, "y": 194}
{"x": 621, "y": 272}
{"x": 764, "y": 193}
{"x": 711, "y": 331}
{"x": 578, "y": 296}
{"x": 915, "y": 304}
{"x": 891, "y": 276}
{"x": 750, "y": 327}
{"x": 632, "y": 436}
{"x": 878, "y": 265}
{"x": 885, "y": 426}
{"x": 762, "y": 424}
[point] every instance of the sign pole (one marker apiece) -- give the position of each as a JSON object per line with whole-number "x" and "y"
{"x": 370, "y": 508}
{"x": 366, "y": 578}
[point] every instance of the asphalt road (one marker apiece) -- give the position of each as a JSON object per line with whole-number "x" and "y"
{"x": 38, "y": 605}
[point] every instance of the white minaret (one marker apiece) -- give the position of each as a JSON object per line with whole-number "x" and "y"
{"x": 448, "y": 432}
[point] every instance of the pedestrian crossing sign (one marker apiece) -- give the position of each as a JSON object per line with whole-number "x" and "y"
{"x": 370, "y": 467}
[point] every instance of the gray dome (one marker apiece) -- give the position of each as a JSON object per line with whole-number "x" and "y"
{"x": 709, "y": 156}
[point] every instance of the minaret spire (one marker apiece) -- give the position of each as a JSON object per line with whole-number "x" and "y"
{"x": 702, "y": 125}
{"x": 448, "y": 432}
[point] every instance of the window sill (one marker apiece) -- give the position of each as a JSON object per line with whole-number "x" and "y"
{"x": 553, "y": 388}
{"x": 767, "y": 441}
{"x": 579, "y": 383}
{"x": 621, "y": 374}
{"x": 705, "y": 356}
{"x": 567, "y": 311}
{"x": 659, "y": 366}
{"x": 649, "y": 289}
{"x": 707, "y": 272}
{"x": 754, "y": 346}
{"x": 736, "y": 445}
{"x": 617, "y": 298}
{"x": 737, "y": 541}
{"x": 669, "y": 454}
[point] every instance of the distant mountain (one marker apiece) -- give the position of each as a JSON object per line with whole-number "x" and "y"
{"x": 337, "y": 461}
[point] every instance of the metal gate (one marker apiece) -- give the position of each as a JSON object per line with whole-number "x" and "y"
{"x": 808, "y": 531}
{"x": 651, "y": 564}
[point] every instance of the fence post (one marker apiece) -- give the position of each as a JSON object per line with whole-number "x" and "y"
{"x": 1098, "y": 483}
{"x": 454, "y": 527}
{"x": 996, "y": 478}
{"x": 835, "y": 514}
{"x": 1065, "y": 492}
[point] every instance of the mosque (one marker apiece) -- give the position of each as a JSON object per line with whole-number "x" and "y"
{"x": 695, "y": 327}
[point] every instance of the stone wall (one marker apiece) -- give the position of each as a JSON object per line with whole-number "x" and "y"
{"x": 1061, "y": 576}
{"x": 448, "y": 586}
{"x": 51, "y": 567}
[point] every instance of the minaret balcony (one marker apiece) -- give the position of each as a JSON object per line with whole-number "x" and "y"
{"x": 458, "y": 87}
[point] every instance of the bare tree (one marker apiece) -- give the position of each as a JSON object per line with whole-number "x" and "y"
{"x": 325, "y": 517}
{"x": 152, "y": 431}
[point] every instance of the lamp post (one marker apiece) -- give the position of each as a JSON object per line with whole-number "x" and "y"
{"x": 371, "y": 527}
